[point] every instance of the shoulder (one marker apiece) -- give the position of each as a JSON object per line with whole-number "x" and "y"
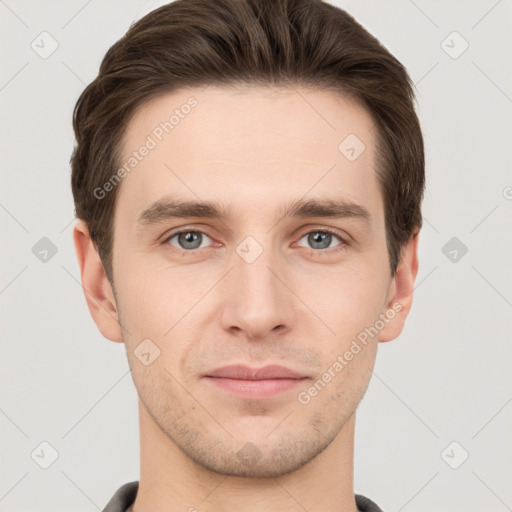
{"x": 365, "y": 504}
{"x": 123, "y": 498}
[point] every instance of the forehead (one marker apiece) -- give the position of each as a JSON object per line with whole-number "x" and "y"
{"x": 254, "y": 144}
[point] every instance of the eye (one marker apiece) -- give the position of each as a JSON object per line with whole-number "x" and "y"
{"x": 187, "y": 239}
{"x": 321, "y": 239}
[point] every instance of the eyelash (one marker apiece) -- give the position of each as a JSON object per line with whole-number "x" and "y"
{"x": 326, "y": 251}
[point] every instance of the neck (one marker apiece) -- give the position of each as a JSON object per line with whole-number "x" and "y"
{"x": 169, "y": 480}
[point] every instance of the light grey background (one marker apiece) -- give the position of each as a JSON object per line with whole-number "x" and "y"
{"x": 447, "y": 378}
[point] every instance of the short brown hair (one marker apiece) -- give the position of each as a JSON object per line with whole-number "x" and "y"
{"x": 190, "y": 43}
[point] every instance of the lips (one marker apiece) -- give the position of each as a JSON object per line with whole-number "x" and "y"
{"x": 245, "y": 373}
{"x": 254, "y": 383}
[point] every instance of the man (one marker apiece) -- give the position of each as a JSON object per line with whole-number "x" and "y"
{"x": 248, "y": 178}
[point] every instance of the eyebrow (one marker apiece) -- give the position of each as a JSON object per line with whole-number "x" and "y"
{"x": 170, "y": 207}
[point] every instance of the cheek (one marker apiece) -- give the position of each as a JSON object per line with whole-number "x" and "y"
{"x": 347, "y": 300}
{"x": 154, "y": 297}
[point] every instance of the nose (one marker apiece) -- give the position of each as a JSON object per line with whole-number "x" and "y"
{"x": 259, "y": 303}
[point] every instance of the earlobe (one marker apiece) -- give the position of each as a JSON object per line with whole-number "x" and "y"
{"x": 97, "y": 290}
{"x": 402, "y": 288}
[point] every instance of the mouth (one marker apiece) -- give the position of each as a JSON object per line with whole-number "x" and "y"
{"x": 255, "y": 383}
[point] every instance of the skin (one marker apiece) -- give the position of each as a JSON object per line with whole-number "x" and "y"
{"x": 255, "y": 149}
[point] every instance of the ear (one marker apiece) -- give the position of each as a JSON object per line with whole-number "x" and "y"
{"x": 401, "y": 291}
{"x": 97, "y": 290}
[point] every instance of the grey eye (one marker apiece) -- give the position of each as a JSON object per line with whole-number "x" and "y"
{"x": 189, "y": 240}
{"x": 320, "y": 239}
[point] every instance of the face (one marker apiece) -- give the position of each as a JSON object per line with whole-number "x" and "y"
{"x": 284, "y": 264}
